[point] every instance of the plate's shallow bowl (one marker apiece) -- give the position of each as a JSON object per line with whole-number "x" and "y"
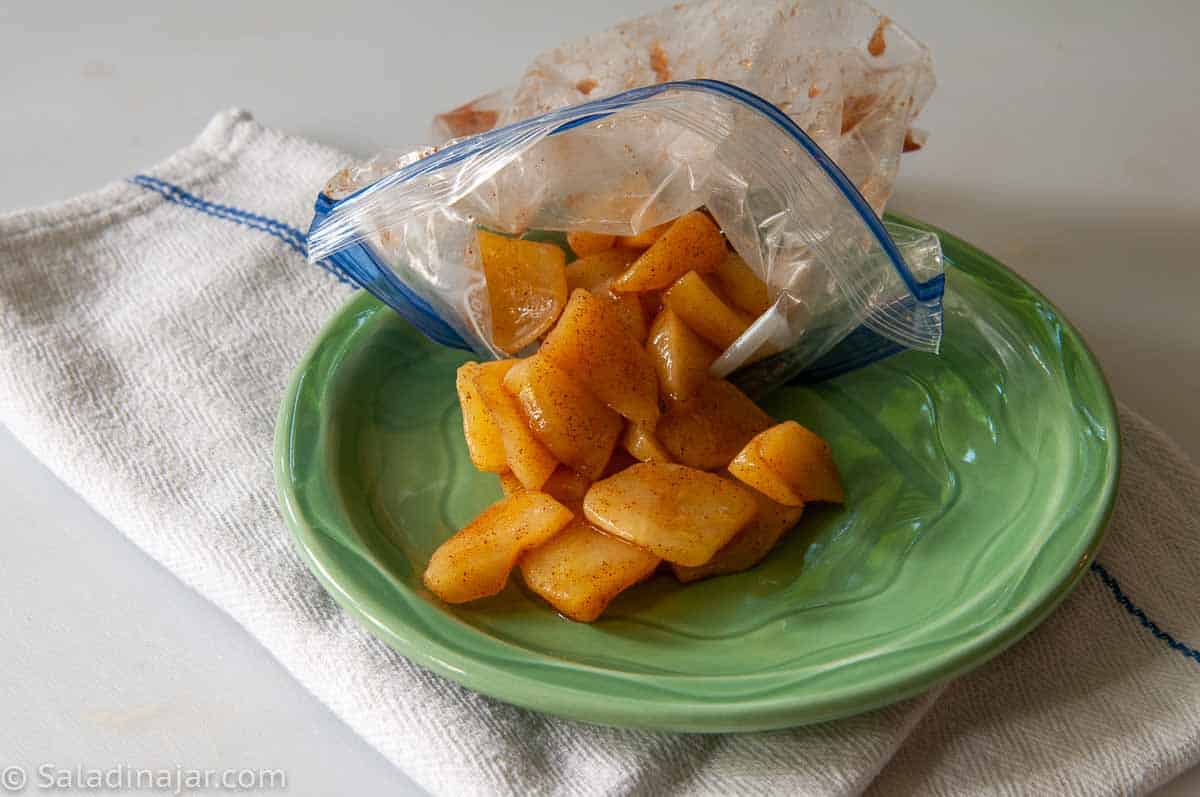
{"x": 978, "y": 484}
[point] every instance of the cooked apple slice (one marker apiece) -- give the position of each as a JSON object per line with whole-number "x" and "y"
{"x": 476, "y": 561}
{"x": 589, "y": 243}
{"x": 679, "y": 513}
{"x": 692, "y": 243}
{"x": 641, "y": 443}
{"x": 804, "y": 460}
{"x": 750, "y": 545}
{"x": 748, "y": 467}
{"x": 526, "y": 286}
{"x": 644, "y": 239}
{"x": 708, "y": 429}
{"x": 529, "y": 460}
{"x": 580, "y": 570}
{"x": 627, "y": 307}
{"x": 681, "y": 357}
{"x": 790, "y": 464}
{"x": 577, "y": 428}
{"x": 598, "y": 270}
{"x": 484, "y": 442}
{"x": 742, "y": 286}
{"x": 705, "y": 312}
{"x": 592, "y": 344}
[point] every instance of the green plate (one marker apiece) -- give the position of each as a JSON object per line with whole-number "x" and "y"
{"x": 978, "y": 485}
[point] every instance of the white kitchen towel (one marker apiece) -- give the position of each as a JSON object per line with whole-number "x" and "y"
{"x": 146, "y": 334}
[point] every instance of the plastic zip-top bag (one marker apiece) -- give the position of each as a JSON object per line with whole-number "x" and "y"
{"x": 623, "y": 165}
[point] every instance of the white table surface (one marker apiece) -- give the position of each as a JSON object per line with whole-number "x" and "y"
{"x": 1064, "y": 141}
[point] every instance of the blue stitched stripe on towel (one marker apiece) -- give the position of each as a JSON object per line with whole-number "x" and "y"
{"x": 291, "y": 236}
{"x": 1146, "y": 622}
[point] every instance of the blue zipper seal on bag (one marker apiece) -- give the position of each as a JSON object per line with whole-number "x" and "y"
{"x": 360, "y": 264}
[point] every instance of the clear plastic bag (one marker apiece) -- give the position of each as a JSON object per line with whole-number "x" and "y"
{"x": 621, "y": 165}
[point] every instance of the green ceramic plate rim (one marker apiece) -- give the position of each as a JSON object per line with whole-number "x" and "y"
{"x": 672, "y": 713}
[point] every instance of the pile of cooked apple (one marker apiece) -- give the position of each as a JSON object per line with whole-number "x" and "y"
{"x": 616, "y": 449}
